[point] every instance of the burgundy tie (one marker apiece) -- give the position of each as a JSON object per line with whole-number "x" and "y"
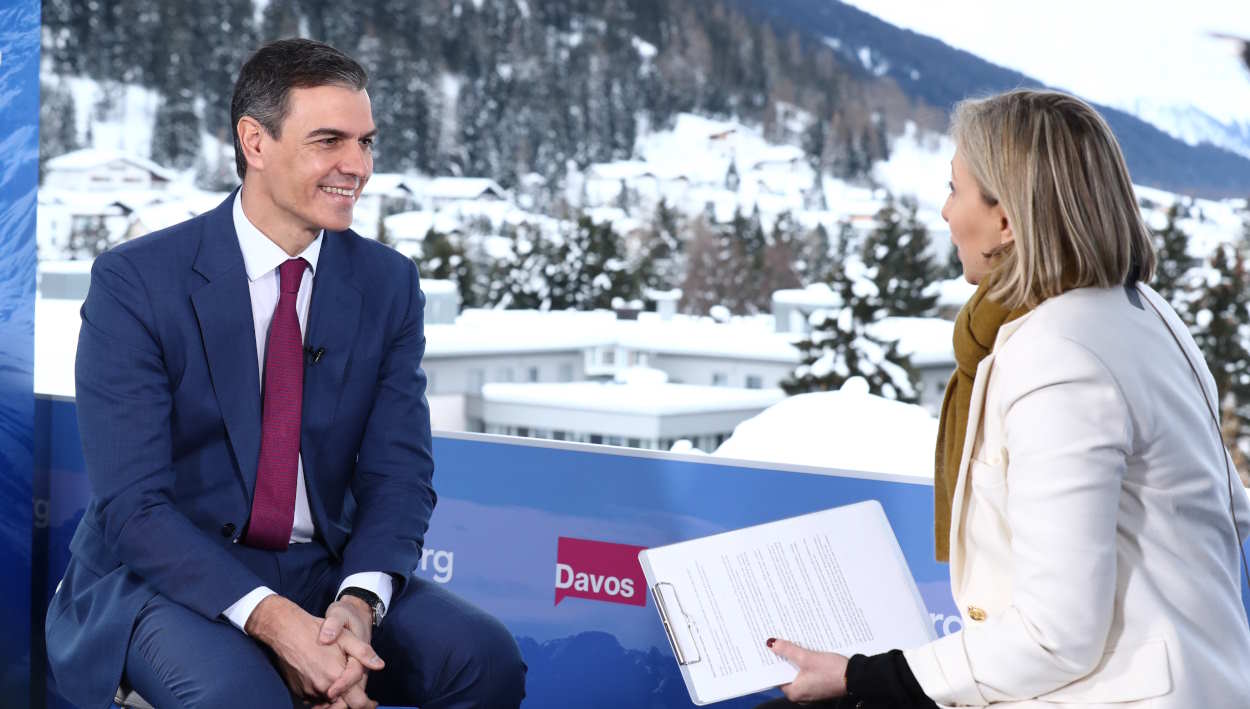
{"x": 273, "y": 505}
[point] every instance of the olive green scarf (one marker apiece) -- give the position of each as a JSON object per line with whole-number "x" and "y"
{"x": 976, "y": 328}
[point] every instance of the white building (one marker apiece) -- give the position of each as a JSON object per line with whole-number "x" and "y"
{"x": 63, "y": 280}
{"x": 438, "y": 192}
{"x": 651, "y": 414}
{"x": 442, "y": 301}
{"x": 385, "y": 193}
{"x": 560, "y": 374}
{"x": 535, "y": 350}
{"x": 95, "y": 170}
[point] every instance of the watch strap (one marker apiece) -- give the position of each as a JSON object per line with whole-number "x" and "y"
{"x": 370, "y": 598}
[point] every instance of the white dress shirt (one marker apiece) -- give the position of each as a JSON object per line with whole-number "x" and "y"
{"x": 261, "y": 259}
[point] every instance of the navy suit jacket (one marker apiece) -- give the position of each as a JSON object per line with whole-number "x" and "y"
{"x": 169, "y": 410}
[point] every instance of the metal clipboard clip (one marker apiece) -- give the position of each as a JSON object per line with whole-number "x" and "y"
{"x": 680, "y": 629}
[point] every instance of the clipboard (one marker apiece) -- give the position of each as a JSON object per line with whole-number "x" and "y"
{"x": 834, "y": 580}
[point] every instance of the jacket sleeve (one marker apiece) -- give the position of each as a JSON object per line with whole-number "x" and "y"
{"x": 1068, "y": 433}
{"x": 392, "y": 483}
{"x": 124, "y": 405}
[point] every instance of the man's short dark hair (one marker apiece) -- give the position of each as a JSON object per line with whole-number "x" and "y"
{"x": 266, "y": 79}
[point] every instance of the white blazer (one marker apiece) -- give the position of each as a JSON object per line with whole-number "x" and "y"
{"x": 1093, "y": 555}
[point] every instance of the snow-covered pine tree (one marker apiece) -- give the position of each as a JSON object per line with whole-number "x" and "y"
{"x": 441, "y": 258}
{"x": 953, "y": 267}
{"x": 234, "y": 36}
{"x": 717, "y": 270}
{"x": 57, "y": 129}
{"x": 707, "y": 254}
{"x": 754, "y": 283}
{"x": 813, "y": 254}
{"x": 781, "y": 260}
{"x": 520, "y": 280}
{"x": 814, "y": 196}
{"x": 1175, "y": 276}
{"x": 89, "y": 240}
{"x": 897, "y": 254}
{"x": 176, "y": 130}
{"x": 732, "y": 180}
{"x": 589, "y": 271}
{"x": 1220, "y": 325}
{"x": 661, "y": 262}
{"x": 839, "y": 345}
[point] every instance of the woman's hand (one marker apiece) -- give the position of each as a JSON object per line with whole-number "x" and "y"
{"x": 822, "y": 675}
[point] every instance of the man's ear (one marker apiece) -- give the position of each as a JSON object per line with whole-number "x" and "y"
{"x": 251, "y": 134}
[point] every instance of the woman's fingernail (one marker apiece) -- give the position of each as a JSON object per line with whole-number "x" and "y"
{"x": 771, "y": 641}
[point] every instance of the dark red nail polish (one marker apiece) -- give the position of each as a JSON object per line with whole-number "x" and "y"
{"x": 771, "y": 641}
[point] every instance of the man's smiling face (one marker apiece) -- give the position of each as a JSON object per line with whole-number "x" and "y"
{"x": 316, "y": 168}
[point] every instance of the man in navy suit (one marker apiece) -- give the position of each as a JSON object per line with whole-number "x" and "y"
{"x": 257, "y": 439}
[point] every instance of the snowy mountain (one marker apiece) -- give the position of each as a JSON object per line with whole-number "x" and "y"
{"x": 1193, "y": 125}
{"x": 935, "y": 76}
{"x": 1177, "y": 70}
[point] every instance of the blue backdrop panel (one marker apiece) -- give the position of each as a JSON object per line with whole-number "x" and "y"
{"x": 503, "y": 506}
{"x": 19, "y": 173}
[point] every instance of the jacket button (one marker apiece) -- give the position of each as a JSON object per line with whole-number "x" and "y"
{"x": 977, "y": 614}
{"x": 227, "y": 530}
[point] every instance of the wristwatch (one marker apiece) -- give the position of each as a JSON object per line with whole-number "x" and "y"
{"x": 375, "y": 604}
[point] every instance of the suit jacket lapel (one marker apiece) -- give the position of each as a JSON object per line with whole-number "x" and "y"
{"x": 223, "y": 307}
{"x": 333, "y": 318}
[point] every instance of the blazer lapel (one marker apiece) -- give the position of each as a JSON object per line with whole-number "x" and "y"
{"x": 333, "y": 318}
{"x": 976, "y": 410}
{"x": 959, "y": 504}
{"x": 223, "y": 307}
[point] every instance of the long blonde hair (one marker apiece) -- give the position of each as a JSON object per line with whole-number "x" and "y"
{"x": 1053, "y": 164}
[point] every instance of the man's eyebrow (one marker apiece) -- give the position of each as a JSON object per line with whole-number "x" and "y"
{"x": 336, "y": 133}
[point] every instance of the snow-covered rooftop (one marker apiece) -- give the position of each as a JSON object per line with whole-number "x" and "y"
{"x": 164, "y": 214}
{"x": 776, "y": 154}
{"x": 750, "y": 337}
{"x": 816, "y": 295}
{"x": 620, "y": 170}
{"x": 90, "y": 158}
{"x": 410, "y": 225}
{"x": 955, "y": 292}
{"x": 640, "y": 398}
{"x": 85, "y": 202}
{"x": 438, "y": 285}
{"x": 927, "y": 341}
{"x": 390, "y": 184}
{"x": 458, "y": 187}
{"x": 496, "y": 331}
{"x": 848, "y": 429}
{"x": 67, "y": 267}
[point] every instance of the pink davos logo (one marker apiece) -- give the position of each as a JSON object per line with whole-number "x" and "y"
{"x": 600, "y": 571}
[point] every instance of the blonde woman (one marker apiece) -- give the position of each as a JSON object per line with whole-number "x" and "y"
{"x": 1094, "y": 521}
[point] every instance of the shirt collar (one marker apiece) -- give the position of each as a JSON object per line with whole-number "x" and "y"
{"x": 260, "y": 255}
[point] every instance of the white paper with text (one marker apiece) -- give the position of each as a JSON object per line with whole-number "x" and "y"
{"x": 834, "y": 580}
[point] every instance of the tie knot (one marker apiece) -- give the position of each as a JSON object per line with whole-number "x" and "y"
{"x": 290, "y": 274}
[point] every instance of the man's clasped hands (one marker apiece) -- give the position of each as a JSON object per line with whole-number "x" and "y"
{"x": 325, "y": 661}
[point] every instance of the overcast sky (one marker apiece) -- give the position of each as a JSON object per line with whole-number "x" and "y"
{"x": 1115, "y": 52}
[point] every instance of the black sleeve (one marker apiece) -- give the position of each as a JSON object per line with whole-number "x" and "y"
{"x": 885, "y": 680}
